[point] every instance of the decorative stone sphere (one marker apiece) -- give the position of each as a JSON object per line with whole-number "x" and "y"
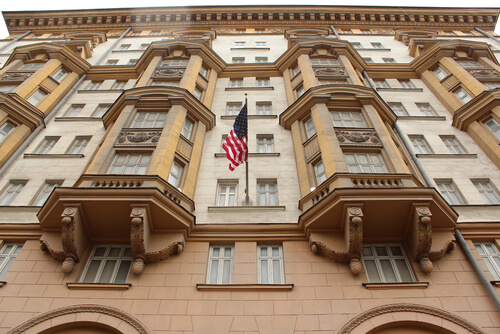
{"x": 68, "y": 265}
{"x": 138, "y": 266}
{"x": 314, "y": 248}
{"x": 426, "y": 265}
{"x": 355, "y": 266}
{"x": 180, "y": 248}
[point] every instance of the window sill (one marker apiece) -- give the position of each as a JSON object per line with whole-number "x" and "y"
{"x": 495, "y": 283}
{"x": 422, "y": 118}
{"x": 251, "y": 48}
{"x": 372, "y": 49}
{"x": 98, "y": 286}
{"x": 100, "y": 90}
{"x": 250, "y": 88}
{"x": 447, "y": 156}
{"x": 250, "y": 116}
{"x": 2, "y": 283}
{"x": 397, "y": 285}
{"x": 77, "y": 119}
{"x": 223, "y": 155}
{"x": 401, "y": 89}
{"x": 253, "y": 208}
{"x": 129, "y": 50}
{"x": 244, "y": 287}
{"x": 52, "y": 156}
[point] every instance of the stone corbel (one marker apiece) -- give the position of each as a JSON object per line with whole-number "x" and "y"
{"x": 421, "y": 237}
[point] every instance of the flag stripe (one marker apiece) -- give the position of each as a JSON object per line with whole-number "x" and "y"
{"x": 236, "y": 142}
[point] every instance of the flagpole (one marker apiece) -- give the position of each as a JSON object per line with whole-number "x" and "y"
{"x": 247, "y": 201}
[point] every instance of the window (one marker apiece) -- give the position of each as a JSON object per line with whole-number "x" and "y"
{"x": 133, "y": 163}
{"x": 154, "y": 33}
{"x": 450, "y": 192}
{"x": 260, "y": 44}
{"x": 47, "y": 145}
{"x": 270, "y": 260}
{"x": 31, "y": 67}
{"x": 491, "y": 85}
{"x": 112, "y": 62}
{"x": 119, "y": 85}
{"x": 7, "y": 256}
{"x": 5, "y": 129}
{"x": 203, "y": 72}
{"x": 45, "y": 192}
{"x": 309, "y": 126}
{"x": 296, "y": 70}
{"x": 462, "y": 95}
{"x": 174, "y": 63}
{"x": 165, "y": 83}
{"x": 79, "y": 145}
{"x": 265, "y": 144}
{"x": 267, "y": 193}
{"x": 74, "y": 110}
{"x": 233, "y": 108}
{"x": 101, "y": 110}
{"x": 357, "y": 45}
{"x": 398, "y": 108}
{"x": 486, "y": 190}
{"x": 300, "y": 91}
{"x": 453, "y": 145}
{"x": 426, "y": 109}
{"x": 365, "y": 162}
{"x": 174, "y": 177}
{"x": 197, "y": 93}
{"x": 469, "y": 64}
{"x": 94, "y": 85}
{"x": 348, "y": 119}
{"x": 7, "y": 88}
{"x": 37, "y": 97}
{"x": 149, "y": 120}
{"x": 239, "y": 44}
{"x": 143, "y": 46}
{"x": 136, "y": 33}
{"x": 494, "y": 127}
{"x": 381, "y": 84}
{"x": 187, "y": 129}
{"x": 324, "y": 62}
{"x": 108, "y": 264}
{"x": 10, "y": 194}
{"x": 389, "y": 60}
{"x": 60, "y": 75}
{"x": 333, "y": 82}
{"x": 386, "y": 263}
{"x": 124, "y": 46}
{"x": 220, "y": 267}
{"x": 440, "y": 73}
{"x": 420, "y": 145}
{"x": 491, "y": 257}
{"x": 319, "y": 173}
{"x": 226, "y": 194}
{"x": 377, "y": 45}
{"x": 264, "y": 108}
{"x": 407, "y": 84}
{"x": 261, "y": 59}
{"x": 368, "y": 60}
{"x": 132, "y": 61}
{"x": 238, "y": 60}
{"x": 236, "y": 83}
{"x": 263, "y": 82}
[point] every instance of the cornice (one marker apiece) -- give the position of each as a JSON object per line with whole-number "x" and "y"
{"x": 21, "y": 111}
{"x": 264, "y": 16}
{"x": 477, "y": 109}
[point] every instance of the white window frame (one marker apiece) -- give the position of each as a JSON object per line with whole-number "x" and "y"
{"x": 6, "y": 129}
{"x": 8, "y": 254}
{"x": 203, "y": 71}
{"x": 389, "y": 60}
{"x": 267, "y": 193}
{"x": 221, "y": 265}
{"x": 264, "y": 82}
{"x": 260, "y": 44}
{"x": 381, "y": 84}
{"x": 420, "y": 145}
{"x": 365, "y": 162}
{"x": 296, "y": 70}
{"x": 106, "y": 258}
{"x": 45, "y": 192}
{"x": 112, "y": 61}
{"x": 300, "y": 91}
{"x": 174, "y": 63}
{"x": 132, "y": 61}
{"x": 60, "y": 75}
{"x": 368, "y": 60}
{"x": 426, "y": 109}
{"x": 450, "y": 192}
{"x": 490, "y": 194}
{"x": 119, "y": 85}
{"x": 74, "y": 110}
{"x": 46, "y": 145}
{"x": 149, "y": 120}
{"x": 265, "y": 144}
{"x": 225, "y": 196}
{"x": 187, "y": 129}
{"x": 31, "y": 67}
{"x": 319, "y": 172}
{"x": 491, "y": 257}
{"x": 369, "y": 254}
{"x": 175, "y": 175}
{"x": 407, "y": 84}
{"x": 453, "y": 145}
{"x": 462, "y": 95}
{"x": 37, "y": 97}
{"x": 79, "y": 145}
{"x": 11, "y": 192}
{"x": 233, "y": 108}
{"x": 357, "y": 45}
{"x": 123, "y": 47}
{"x": 197, "y": 93}
{"x": 270, "y": 260}
{"x": 240, "y": 44}
{"x": 348, "y": 119}
{"x": 494, "y": 126}
{"x": 440, "y": 73}
{"x": 122, "y": 161}
{"x": 264, "y": 107}
{"x": 238, "y": 60}
{"x": 261, "y": 59}
{"x": 398, "y": 108}
{"x": 143, "y": 46}
{"x": 94, "y": 85}
{"x": 309, "y": 128}
{"x": 377, "y": 45}
{"x": 236, "y": 83}
{"x": 100, "y": 110}
{"x": 469, "y": 64}
{"x": 324, "y": 62}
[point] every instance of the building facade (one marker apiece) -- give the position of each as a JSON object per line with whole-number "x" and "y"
{"x": 373, "y": 171}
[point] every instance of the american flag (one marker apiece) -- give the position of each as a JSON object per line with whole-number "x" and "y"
{"x": 235, "y": 144}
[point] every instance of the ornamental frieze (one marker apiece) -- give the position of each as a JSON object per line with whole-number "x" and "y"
{"x": 485, "y": 74}
{"x": 330, "y": 72}
{"x": 168, "y": 74}
{"x": 139, "y": 138}
{"x": 382, "y": 31}
{"x": 358, "y": 138}
{"x": 16, "y": 76}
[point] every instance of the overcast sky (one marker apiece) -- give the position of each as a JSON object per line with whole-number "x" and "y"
{"x": 10, "y": 5}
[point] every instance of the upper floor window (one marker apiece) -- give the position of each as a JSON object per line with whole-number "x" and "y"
{"x": 5, "y": 129}
{"x": 45, "y": 192}
{"x": 174, "y": 63}
{"x": 494, "y": 127}
{"x": 108, "y": 264}
{"x": 260, "y": 44}
{"x": 238, "y": 60}
{"x": 143, "y": 46}
{"x": 264, "y": 108}
{"x": 74, "y": 110}
{"x": 132, "y": 61}
{"x": 119, "y": 85}
{"x": 270, "y": 261}
{"x": 10, "y": 194}
{"x": 300, "y": 91}
{"x": 486, "y": 190}
{"x": 263, "y": 82}
{"x": 296, "y": 70}
{"x": 100, "y": 110}
{"x": 197, "y": 93}
{"x": 324, "y": 62}
{"x": 426, "y": 109}
{"x": 94, "y": 85}
{"x": 112, "y": 61}
{"x": 31, "y": 67}
{"x": 239, "y": 44}
{"x": 440, "y": 73}
{"x": 149, "y": 120}
{"x": 8, "y": 254}
{"x": 469, "y": 64}
{"x": 420, "y": 145}
{"x": 491, "y": 257}
{"x": 357, "y": 45}
{"x": 267, "y": 193}
{"x": 47, "y": 144}
{"x": 492, "y": 85}
{"x": 386, "y": 263}
{"x": 78, "y": 145}
{"x": 453, "y": 145}
{"x": 407, "y": 84}
{"x": 398, "y": 108}
{"x": 226, "y": 194}
{"x": 220, "y": 265}
{"x": 368, "y": 60}
{"x": 165, "y": 83}
{"x": 365, "y": 163}
{"x": 60, "y": 75}
{"x": 381, "y": 84}
{"x": 309, "y": 126}
{"x": 187, "y": 129}
{"x": 236, "y": 83}
{"x": 389, "y": 60}
{"x": 463, "y": 95}
{"x": 348, "y": 119}
{"x": 124, "y": 46}
{"x": 377, "y": 45}
{"x": 265, "y": 144}
{"x": 203, "y": 71}
{"x": 132, "y": 163}
{"x": 174, "y": 178}
{"x": 7, "y": 88}
{"x": 37, "y": 97}
{"x": 233, "y": 108}
{"x": 450, "y": 193}
{"x": 261, "y": 59}
{"x": 319, "y": 172}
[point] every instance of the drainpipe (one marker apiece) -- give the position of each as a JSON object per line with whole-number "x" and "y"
{"x": 15, "y": 40}
{"x": 335, "y": 32}
{"x": 407, "y": 144}
{"x": 112, "y": 46}
{"x": 487, "y": 34}
{"x": 40, "y": 127}
{"x": 477, "y": 268}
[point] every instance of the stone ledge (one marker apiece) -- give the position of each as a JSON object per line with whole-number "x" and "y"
{"x": 52, "y": 156}
{"x": 396, "y": 285}
{"x": 447, "y": 156}
{"x": 423, "y": 118}
{"x": 2, "y": 283}
{"x": 401, "y": 89}
{"x": 250, "y": 88}
{"x": 245, "y": 208}
{"x": 223, "y": 155}
{"x": 250, "y": 116}
{"x": 98, "y": 286}
{"x": 244, "y": 287}
{"x": 251, "y": 48}
{"x": 77, "y": 119}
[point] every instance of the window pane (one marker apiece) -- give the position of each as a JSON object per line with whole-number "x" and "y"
{"x": 213, "y": 271}
{"x": 371, "y": 271}
{"x": 226, "y": 272}
{"x": 264, "y": 273}
{"x": 263, "y": 251}
{"x": 100, "y": 251}
{"x": 6, "y": 266}
{"x": 121, "y": 276}
{"x": 227, "y": 251}
{"x": 114, "y": 252}
{"x": 92, "y": 271}
{"x": 109, "y": 266}
{"x": 403, "y": 270}
{"x": 381, "y": 251}
{"x": 389, "y": 274}
{"x": 396, "y": 251}
{"x": 366, "y": 251}
{"x": 276, "y": 272}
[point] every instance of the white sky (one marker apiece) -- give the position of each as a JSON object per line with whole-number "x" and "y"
{"x": 10, "y": 5}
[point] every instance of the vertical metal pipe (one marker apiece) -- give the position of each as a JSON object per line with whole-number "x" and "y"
{"x": 112, "y": 46}
{"x": 15, "y": 40}
{"x": 490, "y": 36}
